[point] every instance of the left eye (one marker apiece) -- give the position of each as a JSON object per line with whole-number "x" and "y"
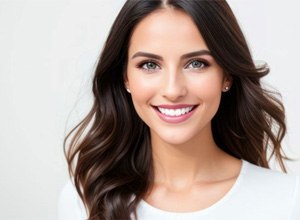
{"x": 196, "y": 64}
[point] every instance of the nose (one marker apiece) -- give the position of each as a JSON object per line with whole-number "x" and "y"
{"x": 174, "y": 85}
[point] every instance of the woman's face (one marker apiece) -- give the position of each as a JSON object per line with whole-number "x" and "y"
{"x": 175, "y": 83}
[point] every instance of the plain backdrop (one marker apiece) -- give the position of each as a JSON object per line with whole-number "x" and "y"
{"x": 48, "y": 52}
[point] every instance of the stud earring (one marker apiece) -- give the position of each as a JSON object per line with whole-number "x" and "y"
{"x": 128, "y": 90}
{"x": 226, "y": 88}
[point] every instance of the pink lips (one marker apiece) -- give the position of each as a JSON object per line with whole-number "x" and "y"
{"x": 174, "y": 119}
{"x": 175, "y": 106}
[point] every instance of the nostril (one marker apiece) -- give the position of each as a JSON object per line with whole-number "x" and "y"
{"x": 174, "y": 92}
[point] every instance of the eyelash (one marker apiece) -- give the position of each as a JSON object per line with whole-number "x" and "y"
{"x": 204, "y": 63}
{"x": 140, "y": 65}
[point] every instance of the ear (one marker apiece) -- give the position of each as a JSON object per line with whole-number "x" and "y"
{"x": 126, "y": 84}
{"x": 227, "y": 82}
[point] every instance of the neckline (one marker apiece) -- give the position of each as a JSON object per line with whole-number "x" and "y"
{"x": 228, "y": 195}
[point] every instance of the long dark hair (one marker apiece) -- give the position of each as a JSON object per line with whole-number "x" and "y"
{"x": 109, "y": 151}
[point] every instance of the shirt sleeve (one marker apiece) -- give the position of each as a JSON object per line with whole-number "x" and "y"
{"x": 70, "y": 206}
{"x": 296, "y": 201}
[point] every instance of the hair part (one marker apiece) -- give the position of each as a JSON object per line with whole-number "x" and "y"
{"x": 109, "y": 151}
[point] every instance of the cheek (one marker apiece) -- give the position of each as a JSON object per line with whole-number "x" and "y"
{"x": 142, "y": 89}
{"x": 208, "y": 89}
{"x": 209, "y": 85}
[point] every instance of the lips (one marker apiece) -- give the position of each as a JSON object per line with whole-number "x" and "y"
{"x": 175, "y": 113}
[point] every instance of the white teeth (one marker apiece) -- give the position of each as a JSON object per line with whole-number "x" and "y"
{"x": 175, "y": 112}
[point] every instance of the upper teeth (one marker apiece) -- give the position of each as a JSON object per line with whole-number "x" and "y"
{"x": 175, "y": 112}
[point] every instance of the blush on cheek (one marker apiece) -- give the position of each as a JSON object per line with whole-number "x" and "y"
{"x": 143, "y": 88}
{"x": 206, "y": 88}
{"x": 211, "y": 91}
{"x": 141, "y": 92}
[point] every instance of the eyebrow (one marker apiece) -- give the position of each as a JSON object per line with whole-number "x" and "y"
{"x": 184, "y": 56}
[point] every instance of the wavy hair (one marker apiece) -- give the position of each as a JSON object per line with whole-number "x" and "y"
{"x": 109, "y": 151}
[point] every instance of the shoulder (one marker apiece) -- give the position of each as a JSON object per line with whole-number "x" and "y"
{"x": 259, "y": 176}
{"x": 280, "y": 190}
{"x": 70, "y": 206}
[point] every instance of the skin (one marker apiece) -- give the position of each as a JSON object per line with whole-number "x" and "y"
{"x": 191, "y": 172}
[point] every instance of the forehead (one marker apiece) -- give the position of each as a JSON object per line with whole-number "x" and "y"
{"x": 166, "y": 30}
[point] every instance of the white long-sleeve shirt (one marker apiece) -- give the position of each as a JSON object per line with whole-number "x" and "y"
{"x": 257, "y": 194}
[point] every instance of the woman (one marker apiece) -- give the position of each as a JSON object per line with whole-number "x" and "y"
{"x": 180, "y": 127}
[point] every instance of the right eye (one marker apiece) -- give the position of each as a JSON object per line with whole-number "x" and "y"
{"x": 149, "y": 66}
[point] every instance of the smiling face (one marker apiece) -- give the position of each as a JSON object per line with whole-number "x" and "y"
{"x": 174, "y": 81}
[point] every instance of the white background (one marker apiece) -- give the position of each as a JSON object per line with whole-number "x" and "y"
{"x": 48, "y": 51}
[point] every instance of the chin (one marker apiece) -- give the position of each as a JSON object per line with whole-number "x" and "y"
{"x": 175, "y": 138}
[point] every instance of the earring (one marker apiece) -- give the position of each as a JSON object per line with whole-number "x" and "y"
{"x": 128, "y": 90}
{"x": 226, "y": 89}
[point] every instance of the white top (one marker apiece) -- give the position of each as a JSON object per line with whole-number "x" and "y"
{"x": 258, "y": 193}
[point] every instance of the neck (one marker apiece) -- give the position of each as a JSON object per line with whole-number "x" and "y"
{"x": 184, "y": 164}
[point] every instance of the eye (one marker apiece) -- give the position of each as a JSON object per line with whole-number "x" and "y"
{"x": 149, "y": 66}
{"x": 197, "y": 64}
